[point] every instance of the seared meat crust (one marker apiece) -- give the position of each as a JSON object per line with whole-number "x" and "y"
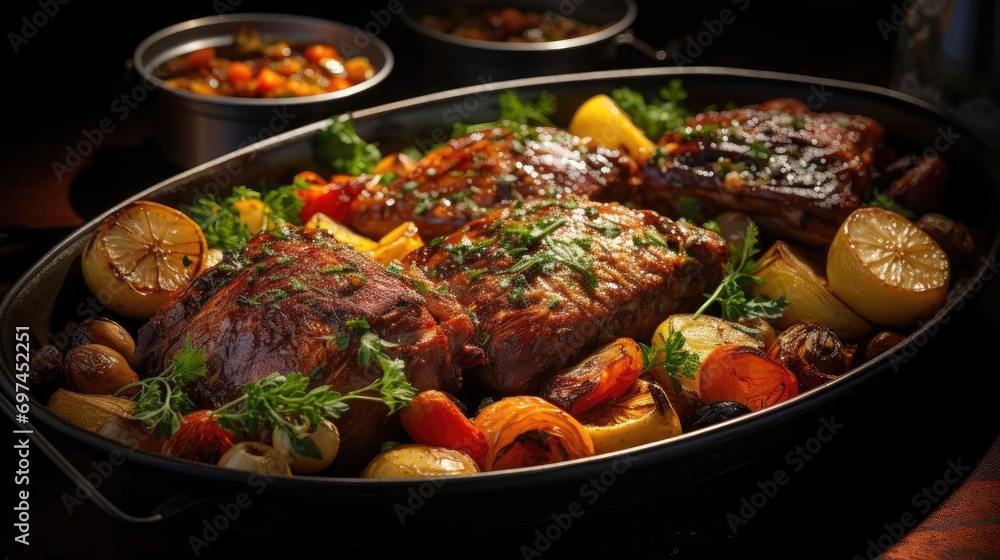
{"x": 472, "y": 175}
{"x": 278, "y": 306}
{"x": 796, "y": 172}
{"x": 551, "y": 280}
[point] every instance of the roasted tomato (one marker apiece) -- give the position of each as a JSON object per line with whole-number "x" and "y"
{"x": 433, "y": 418}
{"x": 331, "y": 198}
{"x": 746, "y": 375}
{"x": 604, "y": 375}
{"x": 524, "y": 431}
{"x": 200, "y": 438}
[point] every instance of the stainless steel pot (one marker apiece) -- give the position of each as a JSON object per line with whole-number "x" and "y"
{"x": 451, "y": 61}
{"x": 192, "y": 129}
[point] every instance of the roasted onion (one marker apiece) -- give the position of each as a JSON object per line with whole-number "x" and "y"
{"x": 813, "y": 353}
{"x": 524, "y": 431}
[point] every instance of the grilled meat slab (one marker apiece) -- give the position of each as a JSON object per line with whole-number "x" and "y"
{"x": 279, "y": 306}
{"x": 472, "y": 175}
{"x": 796, "y": 172}
{"x": 551, "y": 280}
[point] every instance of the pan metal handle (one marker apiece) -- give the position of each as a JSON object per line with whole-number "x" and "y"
{"x": 161, "y": 513}
{"x": 661, "y": 56}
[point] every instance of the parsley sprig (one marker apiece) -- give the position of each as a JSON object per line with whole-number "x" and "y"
{"x": 161, "y": 401}
{"x": 285, "y": 402}
{"x": 657, "y": 116}
{"x": 731, "y": 294}
{"x": 514, "y": 112}
{"x": 340, "y": 145}
{"x": 670, "y": 355}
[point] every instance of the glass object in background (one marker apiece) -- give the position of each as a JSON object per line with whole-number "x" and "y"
{"x": 948, "y": 53}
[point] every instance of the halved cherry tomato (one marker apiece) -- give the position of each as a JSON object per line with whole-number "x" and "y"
{"x": 316, "y": 53}
{"x": 746, "y": 375}
{"x": 239, "y": 74}
{"x": 526, "y": 430}
{"x": 268, "y": 80}
{"x": 333, "y": 199}
{"x": 604, "y": 375}
{"x": 200, "y": 438}
{"x": 433, "y": 418}
{"x": 200, "y": 58}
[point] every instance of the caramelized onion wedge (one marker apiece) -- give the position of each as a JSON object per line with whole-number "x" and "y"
{"x": 524, "y": 431}
{"x": 642, "y": 415}
{"x": 788, "y": 273}
{"x": 605, "y": 374}
{"x": 89, "y": 412}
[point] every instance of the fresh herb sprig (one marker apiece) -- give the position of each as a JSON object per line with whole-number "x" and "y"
{"x": 655, "y": 117}
{"x": 347, "y": 153}
{"x": 285, "y": 402}
{"x": 514, "y": 112}
{"x": 220, "y": 219}
{"x": 161, "y": 400}
{"x": 731, "y": 294}
{"x": 670, "y": 355}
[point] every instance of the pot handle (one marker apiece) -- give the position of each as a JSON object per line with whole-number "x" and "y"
{"x": 661, "y": 56}
{"x": 161, "y": 513}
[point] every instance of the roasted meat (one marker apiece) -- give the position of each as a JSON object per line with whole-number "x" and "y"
{"x": 797, "y": 173}
{"x": 551, "y": 280}
{"x": 471, "y": 175}
{"x": 279, "y": 305}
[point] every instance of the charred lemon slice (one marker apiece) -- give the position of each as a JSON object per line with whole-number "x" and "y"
{"x": 603, "y": 120}
{"x": 142, "y": 255}
{"x": 887, "y": 269}
{"x": 642, "y": 415}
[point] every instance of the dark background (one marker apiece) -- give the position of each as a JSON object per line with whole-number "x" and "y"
{"x": 76, "y": 62}
{"x": 65, "y": 78}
